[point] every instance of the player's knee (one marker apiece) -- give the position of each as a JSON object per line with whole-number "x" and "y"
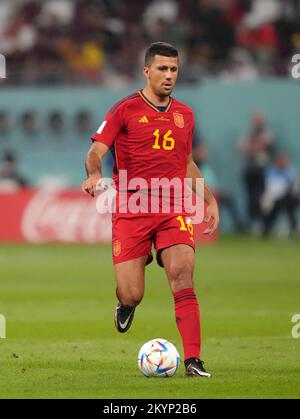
{"x": 180, "y": 276}
{"x": 132, "y": 298}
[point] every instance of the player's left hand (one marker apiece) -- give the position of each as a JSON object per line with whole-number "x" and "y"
{"x": 212, "y": 217}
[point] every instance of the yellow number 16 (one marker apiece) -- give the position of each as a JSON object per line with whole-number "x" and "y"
{"x": 168, "y": 142}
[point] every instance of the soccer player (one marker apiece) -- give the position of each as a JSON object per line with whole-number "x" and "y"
{"x": 151, "y": 134}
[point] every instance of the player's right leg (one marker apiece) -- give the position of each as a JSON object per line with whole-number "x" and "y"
{"x": 130, "y": 279}
{"x": 131, "y": 253}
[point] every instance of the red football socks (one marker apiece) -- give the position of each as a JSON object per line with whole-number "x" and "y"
{"x": 188, "y": 322}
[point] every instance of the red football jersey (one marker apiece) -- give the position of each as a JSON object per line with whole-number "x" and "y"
{"x": 148, "y": 143}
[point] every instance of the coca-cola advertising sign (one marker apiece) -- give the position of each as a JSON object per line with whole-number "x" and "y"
{"x": 52, "y": 215}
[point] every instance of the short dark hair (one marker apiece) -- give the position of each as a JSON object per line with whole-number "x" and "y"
{"x": 160, "y": 48}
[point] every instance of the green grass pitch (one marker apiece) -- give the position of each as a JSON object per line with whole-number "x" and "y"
{"x": 61, "y": 342}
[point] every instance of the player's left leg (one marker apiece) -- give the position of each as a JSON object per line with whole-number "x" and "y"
{"x": 178, "y": 261}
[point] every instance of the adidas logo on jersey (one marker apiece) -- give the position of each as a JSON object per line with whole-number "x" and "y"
{"x": 144, "y": 120}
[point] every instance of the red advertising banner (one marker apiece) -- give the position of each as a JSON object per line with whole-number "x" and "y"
{"x": 52, "y": 215}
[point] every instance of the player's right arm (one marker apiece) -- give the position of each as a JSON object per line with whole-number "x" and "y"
{"x": 93, "y": 165}
{"x": 102, "y": 141}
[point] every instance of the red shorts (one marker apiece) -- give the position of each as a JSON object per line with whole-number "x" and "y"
{"x": 133, "y": 235}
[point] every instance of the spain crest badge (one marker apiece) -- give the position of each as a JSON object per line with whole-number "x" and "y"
{"x": 178, "y": 119}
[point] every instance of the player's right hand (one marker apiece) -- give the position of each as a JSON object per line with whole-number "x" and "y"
{"x": 89, "y": 186}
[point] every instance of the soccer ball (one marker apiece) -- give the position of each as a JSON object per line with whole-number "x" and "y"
{"x": 158, "y": 358}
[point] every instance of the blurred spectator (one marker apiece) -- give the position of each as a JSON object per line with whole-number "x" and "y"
{"x": 240, "y": 66}
{"x": 211, "y": 35}
{"x": 161, "y": 21}
{"x": 226, "y": 200}
{"x": 60, "y": 11}
{"x": 29, "y": 124}
{"x": 5, "y": 124}
{"x": 200, "y": 154}
{"x": 131, "y": 45}
{"x": 6, "y": 131}
{"x": 56, "y": 124}
{"x": 235, "y": 10}
{"x": 281, "y": 195}
{"x": 83, "y": 123}
{"x": 262, "y": 12}
{"x": 19, "y": 34}
{"x": 10, "y": 178}
{"x": 84, "y": 58}
{"x": 257, "y": 149}
{"x": 263, "y": 43}
{"x": 100, "y": 41}
{"x": 167, "y": 10}
{"x": 259, "y": 33}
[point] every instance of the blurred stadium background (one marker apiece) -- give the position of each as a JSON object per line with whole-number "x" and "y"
{"x": 67, "y": 62}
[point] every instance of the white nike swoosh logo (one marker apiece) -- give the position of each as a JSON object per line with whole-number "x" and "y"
{"x": 123, "y": 325}
{"x": 204, "y": 374}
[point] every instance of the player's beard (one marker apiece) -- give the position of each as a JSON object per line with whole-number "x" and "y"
{"x": 163, "y": 94}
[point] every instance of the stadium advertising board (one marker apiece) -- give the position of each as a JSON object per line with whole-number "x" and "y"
{"x": 51, "y": 215}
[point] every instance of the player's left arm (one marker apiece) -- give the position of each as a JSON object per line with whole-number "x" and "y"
{"x": 212, "y": 212}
